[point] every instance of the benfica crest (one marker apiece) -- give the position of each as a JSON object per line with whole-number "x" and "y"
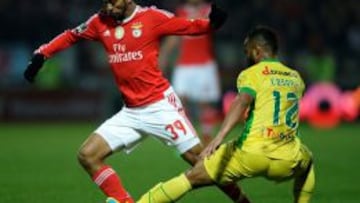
{"x": 137, "y": 29}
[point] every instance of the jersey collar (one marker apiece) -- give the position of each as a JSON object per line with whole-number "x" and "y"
{"x": 126, "y": 20}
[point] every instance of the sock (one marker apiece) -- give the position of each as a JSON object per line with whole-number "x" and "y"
{"x": 109, "y": 182}
{"x": 304, "y": 186}
{"x": 169, "y": 191}
{"x": 234, "y": 192}
{"x": 208, "y": 119}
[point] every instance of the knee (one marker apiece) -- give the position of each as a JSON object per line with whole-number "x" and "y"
{"x": 87, "y": 158}
{"x": 192, "y": 156}
{"x": 198, "y": 176}
{"x": 194, "y": 178}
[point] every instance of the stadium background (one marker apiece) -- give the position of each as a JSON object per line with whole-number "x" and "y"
{"x": 42, "y": 126}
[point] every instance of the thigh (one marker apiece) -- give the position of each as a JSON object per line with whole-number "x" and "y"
{"x": 167, "y": 121}
{"x": 120, "y": 131}
{"x": 281, "y": 170}
{"x": 229, "y": 164}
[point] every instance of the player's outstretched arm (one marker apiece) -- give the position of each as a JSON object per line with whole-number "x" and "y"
{"x": 61, "y": 42}
{"x": 66, "y": 39}
{"x": 237, "y": 113}
{"x": 168, "y": 24}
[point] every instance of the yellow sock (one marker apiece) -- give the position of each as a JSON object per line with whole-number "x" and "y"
{"x": 304, "y": 187}
{"x": 170, "y": 191}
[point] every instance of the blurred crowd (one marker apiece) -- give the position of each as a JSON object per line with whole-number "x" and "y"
{"x": 320, "y": 38}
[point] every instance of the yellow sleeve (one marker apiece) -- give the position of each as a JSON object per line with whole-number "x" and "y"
{"x": 246, "y": 82}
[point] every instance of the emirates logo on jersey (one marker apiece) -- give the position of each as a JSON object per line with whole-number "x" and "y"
{"x": 137, "y": 29}
{"x": 119, "y": 32}
{"x": 122, "y": 55}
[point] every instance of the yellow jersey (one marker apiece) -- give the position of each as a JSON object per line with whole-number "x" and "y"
{"x": 272, "y": 125}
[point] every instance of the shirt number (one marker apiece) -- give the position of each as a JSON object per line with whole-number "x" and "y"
{"x": 175, "y": 128}
{"x": 292, "y": 110}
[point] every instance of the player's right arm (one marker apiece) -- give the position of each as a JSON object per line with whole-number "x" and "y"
{"x": 168, "y": 24}
{"x": 246, "y": 96}
{"x": 86, "y": 30}
{"x": 237, "y": 113}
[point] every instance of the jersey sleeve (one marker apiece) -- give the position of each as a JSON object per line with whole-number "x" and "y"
{"x": 86, "y": 30}
{"x": 246, "y": 82}
{"x": 167, "y": 23}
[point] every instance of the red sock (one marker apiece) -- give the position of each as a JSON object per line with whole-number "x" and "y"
{"x": 109, "y": 182}
{"x": 208, "y": 119}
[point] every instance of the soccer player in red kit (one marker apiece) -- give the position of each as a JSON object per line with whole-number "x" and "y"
{"x": 195, "y": 77}
{"x": 130, "y": 35}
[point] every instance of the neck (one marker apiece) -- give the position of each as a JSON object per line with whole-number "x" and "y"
{"x": 130, "y": 9}
{"x": 268, "y": 56}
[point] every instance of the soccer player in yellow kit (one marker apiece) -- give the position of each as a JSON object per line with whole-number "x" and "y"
{"x": 269, "y": 145}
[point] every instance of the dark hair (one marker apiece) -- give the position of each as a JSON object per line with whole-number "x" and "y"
{"x": 265, "y": 35}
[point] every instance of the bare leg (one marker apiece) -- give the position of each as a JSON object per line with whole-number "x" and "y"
{"x": 91, "y": 156}
{"x": 198, "y": 173}
{"x": 174, "y": 189}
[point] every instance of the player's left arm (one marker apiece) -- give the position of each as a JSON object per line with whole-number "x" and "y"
{"x": 237, "y": 113}
{"x": 168, "y": 24}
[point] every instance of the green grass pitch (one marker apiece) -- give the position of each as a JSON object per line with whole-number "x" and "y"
{"x": 38, "y": 164}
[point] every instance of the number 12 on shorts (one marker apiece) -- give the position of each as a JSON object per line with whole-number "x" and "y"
{"x": 175, "y": 128}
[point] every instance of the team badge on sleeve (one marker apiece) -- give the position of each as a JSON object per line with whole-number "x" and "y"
{"x": 81, "y": 28}
{"x": 136, "y": 29}
{"x": 119, "y": 32}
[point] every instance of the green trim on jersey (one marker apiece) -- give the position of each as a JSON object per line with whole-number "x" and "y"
{"x": 248, "y": 90}
{"x": 248, "y": 126}
{"x": 270, "y": 60}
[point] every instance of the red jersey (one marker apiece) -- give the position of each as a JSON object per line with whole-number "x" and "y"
{"x": 132, "y": 47}
{"x": 201, "y": 45}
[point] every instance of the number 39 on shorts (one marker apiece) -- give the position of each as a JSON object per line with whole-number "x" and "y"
{"x": 175, "y": 128}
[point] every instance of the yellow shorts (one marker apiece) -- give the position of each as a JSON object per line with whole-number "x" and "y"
{"x": 229, "y": 164}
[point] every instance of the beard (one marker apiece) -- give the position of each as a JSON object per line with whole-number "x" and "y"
{"x": 250, "y": 61}
{"x": 119, "y": 16}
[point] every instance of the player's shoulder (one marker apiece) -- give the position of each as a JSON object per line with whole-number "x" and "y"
{"x": 250, "y": 70}
{"x": 156, "y": 12}
{"x": 92, "y": 22}
{"x": 293, "y": 71}
{"x": 94, "y": 19}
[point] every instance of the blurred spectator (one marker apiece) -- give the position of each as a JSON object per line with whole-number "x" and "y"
{"x": 318, "y": 63}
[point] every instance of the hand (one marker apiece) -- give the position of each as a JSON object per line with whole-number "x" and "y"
{"x": 212, "y": 147}
{"x": 33, "y": 67}
{"x": 217, "y": 16}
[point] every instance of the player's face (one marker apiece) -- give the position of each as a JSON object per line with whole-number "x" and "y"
{"x": 116, "y": 8}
